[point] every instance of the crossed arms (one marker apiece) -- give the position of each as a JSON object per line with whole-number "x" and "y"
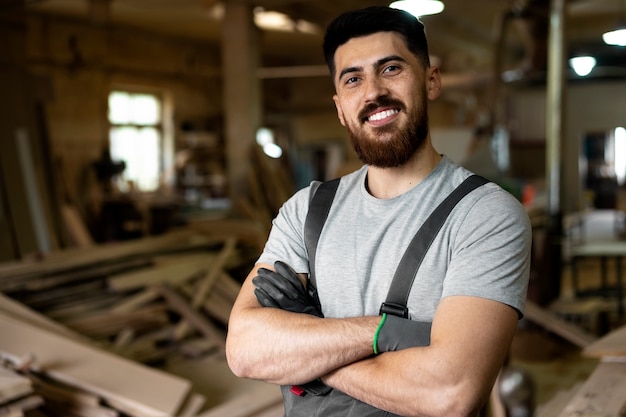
{"x": 451, "y": 377}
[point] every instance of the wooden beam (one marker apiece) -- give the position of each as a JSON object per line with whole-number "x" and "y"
{"x": 549, "y": 321}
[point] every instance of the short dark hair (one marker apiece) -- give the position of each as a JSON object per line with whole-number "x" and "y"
{"x": 371, "y": 20}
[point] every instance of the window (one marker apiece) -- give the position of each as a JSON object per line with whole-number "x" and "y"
{"x": 136, "y": 136}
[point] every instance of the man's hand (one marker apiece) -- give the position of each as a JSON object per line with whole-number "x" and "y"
{"x": 283, "y": 289}
{"x": 396, "y": 333}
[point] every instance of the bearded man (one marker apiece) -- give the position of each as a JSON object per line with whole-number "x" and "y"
{"x": 336, "y": 346}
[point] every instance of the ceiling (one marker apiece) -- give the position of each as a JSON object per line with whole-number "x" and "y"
{"x": 463, "y": 38}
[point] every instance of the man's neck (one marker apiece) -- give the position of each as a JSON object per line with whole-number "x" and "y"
{"x": 387, "y": 183}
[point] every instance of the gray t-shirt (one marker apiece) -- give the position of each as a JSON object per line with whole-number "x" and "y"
{"x": 482, "y": 250}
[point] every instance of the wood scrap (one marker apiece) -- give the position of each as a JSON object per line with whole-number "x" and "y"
{"x": 13, "y": 385}
{"x": 106, "y": 325}
{"x": 75, "y": 258}
{"x": 136, "y": 323}
{"x": 206, "y": 285}
{"x": 18, "y": 407}
{"x": 177, "y": 272}
{"x": 191, "y": 316}
{"x": 251, "y": 232}
{"x": 76, "y": 228}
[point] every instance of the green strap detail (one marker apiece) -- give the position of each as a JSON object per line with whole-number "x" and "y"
{"x": 380, "y": 326}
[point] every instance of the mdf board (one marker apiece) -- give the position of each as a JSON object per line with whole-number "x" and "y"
{"x": 135, "y": 389}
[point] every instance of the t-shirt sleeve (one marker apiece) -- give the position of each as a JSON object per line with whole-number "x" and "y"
{"x": 286, "y": 239}
{"x": 491, "y": 254}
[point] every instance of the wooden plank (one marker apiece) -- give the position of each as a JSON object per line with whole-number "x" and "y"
{"x": 612, "y": 344}
{"x": 76, "y": 228}
{"x": 549, "y": 321}
{"x": 137, "y": 390}
{"x": 135, "y": 301}
{"x": 557, "y": 403}
{"x": 25, "y": 314}
{"x": 248, "y": 231}
{"x": 204, "y": 326}
{"x": 603, "y": 394}
{"x": 176, "y": 272}
{"x": 50, "y": 280}
{"x": 207, "y": 283}
{"x": 74, "y": 258}
{"x": 105, "y": 323}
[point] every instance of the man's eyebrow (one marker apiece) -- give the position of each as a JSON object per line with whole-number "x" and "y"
{"x": 348, "y": 70}
{"x": 386, "y": 59}
{"x": 377, "y": 64}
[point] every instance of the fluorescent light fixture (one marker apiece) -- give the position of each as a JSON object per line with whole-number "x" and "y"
{"x": 582, "y": 65}
{"x": 264, "y": 136}
{"x": 272, "y": 150}
{"x": 615, "y": 37}
{"x": 273, "y": 20}
{"x": 419, "y": 7}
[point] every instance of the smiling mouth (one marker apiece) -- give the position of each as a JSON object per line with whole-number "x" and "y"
{"x": 382, "y": 115}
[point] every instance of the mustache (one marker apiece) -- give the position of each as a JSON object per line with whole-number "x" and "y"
{"x": 381, "y": 102}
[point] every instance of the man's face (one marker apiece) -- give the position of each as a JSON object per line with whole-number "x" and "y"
{"x": 382, "y": 91}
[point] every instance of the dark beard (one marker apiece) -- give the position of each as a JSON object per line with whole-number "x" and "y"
{"x": 404, "y": 143}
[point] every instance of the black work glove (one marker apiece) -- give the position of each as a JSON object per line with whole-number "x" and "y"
{"x": 397, "y": 333}
{"x": 283, "y": 289}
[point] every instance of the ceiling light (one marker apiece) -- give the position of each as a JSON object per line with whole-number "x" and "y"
{"x": 615, "y": 37}
{"x": 272, "y": 20}
{"x": 582, "y": 65}
{"x": 419, "y": 7}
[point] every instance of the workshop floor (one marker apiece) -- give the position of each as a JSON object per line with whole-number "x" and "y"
{"x": 554, "y": 364}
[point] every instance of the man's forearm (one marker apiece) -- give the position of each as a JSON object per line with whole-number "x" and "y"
{"x": 408, "y": 383}
{"x": 289, "y": 348}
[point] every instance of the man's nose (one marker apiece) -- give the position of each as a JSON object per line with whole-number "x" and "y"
{"x": 375, "y": 87}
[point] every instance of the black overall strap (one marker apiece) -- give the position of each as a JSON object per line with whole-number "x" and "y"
{"x": 398, "y": 294}
{"x": 319, "y": 207}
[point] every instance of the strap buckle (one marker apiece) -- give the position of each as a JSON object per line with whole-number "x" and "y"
{"x": 394, "y": 309}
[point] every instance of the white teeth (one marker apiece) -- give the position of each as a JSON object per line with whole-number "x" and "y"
{"x": 382, "y": 115}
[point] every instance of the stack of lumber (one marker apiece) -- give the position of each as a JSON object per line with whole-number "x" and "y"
{"x": 91, "y": 331}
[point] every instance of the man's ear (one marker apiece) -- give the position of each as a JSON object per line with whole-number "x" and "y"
{"x": 339, "y": 111}
{"x": 434, "y": 82}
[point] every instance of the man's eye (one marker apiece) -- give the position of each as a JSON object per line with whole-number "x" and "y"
{"x": 351, "y": 80}
{"x": 391, "y": 68}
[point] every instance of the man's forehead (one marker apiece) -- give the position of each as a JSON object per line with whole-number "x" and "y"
{"x": 364, "y": 46}
{"x": 369, "y": 49}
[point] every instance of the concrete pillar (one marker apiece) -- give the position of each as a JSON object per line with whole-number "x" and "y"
{"x": 242, "y": 93}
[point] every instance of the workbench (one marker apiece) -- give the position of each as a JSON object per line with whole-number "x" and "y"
{"x": 603, "y": 250}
